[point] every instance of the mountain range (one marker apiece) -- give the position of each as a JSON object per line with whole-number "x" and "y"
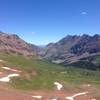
{"x": 77, "y": 51}
{"x": 72, "y": 48}
{"x": 67, "y": 51}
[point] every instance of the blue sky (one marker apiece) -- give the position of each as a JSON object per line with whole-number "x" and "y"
{"x": 44, "y": 21}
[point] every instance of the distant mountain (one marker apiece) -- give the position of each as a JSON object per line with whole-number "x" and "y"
{"x": 72, "y": 49}
{"x": 13, "y": 44}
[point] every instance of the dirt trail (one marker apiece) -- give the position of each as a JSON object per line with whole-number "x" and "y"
{"x": 13, "y": 95}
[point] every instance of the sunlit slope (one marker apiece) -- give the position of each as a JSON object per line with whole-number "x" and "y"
{"x": 39, "y": 74}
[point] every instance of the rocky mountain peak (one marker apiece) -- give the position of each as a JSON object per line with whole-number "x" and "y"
{"x": 12, "y": 43}
{"x": 73, "y": 48}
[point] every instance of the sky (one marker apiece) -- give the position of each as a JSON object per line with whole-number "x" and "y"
{"x": 43, "y": 21}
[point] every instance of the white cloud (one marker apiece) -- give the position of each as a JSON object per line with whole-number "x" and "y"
{"x": 84, "y": 13}
{"x": 32, "y": 32}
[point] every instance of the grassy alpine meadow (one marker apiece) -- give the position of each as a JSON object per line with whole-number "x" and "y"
{"x": 40, "y": 74}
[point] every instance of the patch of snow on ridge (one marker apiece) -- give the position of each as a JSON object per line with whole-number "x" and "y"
{"x": 1, "y": 60}
{"x": 86, "y": 85}
{"x": 59, "y": 86}
{"x": 78, "y": 94}
{"x": 38, "y": 97}
{"x": 7, "y": 78}
{"x": 52, "y": 99}
{"x": 7, "y": 68}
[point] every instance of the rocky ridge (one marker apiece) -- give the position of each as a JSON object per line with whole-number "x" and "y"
{"x": 13, "y": 44}
{"x": 72, "y": 48}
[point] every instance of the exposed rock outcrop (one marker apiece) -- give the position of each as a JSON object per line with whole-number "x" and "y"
{"x": 11, "y": 43}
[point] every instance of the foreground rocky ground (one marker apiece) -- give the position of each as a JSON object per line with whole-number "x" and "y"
{"x": 13, "y": 95}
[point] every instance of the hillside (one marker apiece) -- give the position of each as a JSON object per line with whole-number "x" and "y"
{"x": 13, "y": 44}
{"x": 38, "y": 77}
{"x": 72, "y": 49}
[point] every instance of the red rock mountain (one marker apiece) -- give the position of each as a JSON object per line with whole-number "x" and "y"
{"x": 11, "y": 43}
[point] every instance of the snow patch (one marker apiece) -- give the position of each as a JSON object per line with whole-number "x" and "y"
{"x": 7, "y": 68}
{"x": 52, "y": 99}
{"x": 78, "y": 94}
{"x": 86, "y": 85}
{"x": 1, "y": 60}
{"x": 38, "y": 97}
{"x": 7, "y": 78}
{"x": 59, "y": 86}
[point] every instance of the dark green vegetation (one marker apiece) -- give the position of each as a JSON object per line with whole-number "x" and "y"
{"x": 40, "y": 74}
{"x": 90, "y": 63}
{"x": 86, "y": 65}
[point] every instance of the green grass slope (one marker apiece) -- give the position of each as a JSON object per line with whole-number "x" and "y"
{"x": 40, "y": 74}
